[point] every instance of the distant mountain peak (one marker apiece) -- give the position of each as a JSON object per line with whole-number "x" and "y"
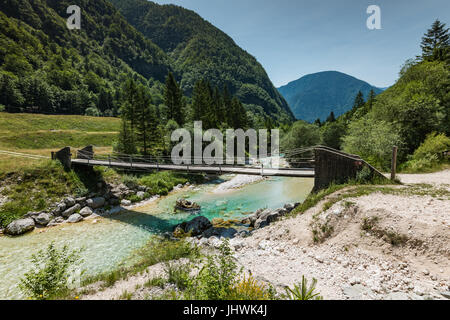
{"x": 316, "y": 95}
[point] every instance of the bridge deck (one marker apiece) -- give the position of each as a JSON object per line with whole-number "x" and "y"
{"x": 283, "y": 172}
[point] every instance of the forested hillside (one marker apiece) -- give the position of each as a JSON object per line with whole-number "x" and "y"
{"x": 314, "y": 96}
{"x": 200, "y": 50}
{"x": 47, "y": 68}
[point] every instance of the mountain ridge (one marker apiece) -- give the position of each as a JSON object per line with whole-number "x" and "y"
{"x": 315, "y": 95}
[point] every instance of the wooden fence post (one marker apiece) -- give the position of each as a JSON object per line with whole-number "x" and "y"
{"x": 394, "y": 163}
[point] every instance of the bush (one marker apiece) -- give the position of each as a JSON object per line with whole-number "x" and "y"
{"x": 216, "y": 279}
{"x": 248, "y": 288}
{"x": 50, "y": 273}
{"x": 302, "y": 291}
{"x": 434, "y": 145}
{"x": 2, "y": 108}
{"x": 429, "y": 154}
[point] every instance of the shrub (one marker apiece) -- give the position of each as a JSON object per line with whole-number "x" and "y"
{"x": 434, "y": 145}
{"x": 429, "y": 154}
{"x": 248, "y": 288}
{"x": 216, "y": 279}
{"x": 49, "y": 275}
{"x": 302, "y": 291}
{"x": 178, "y": 275}
{"x": 2, "y": 108}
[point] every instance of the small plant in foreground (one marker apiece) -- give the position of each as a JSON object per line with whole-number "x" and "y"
{"x": 302, "y": 291}
{"x": 216, "y": 279}
{"x": 50, "y": 273}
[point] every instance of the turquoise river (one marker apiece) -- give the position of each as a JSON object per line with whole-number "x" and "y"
{"x": 110, "y": 240}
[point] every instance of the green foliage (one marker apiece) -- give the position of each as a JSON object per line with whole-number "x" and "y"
{"x": 302, "y": 291}
{"x": 434, "y": 144}
{"x": 301, "y": 134}
{"x": 429, "y": 154}
{"x": 198, "y": 49}
{"x": 216, "y": 278}
{"x": 51, "y": 269}
{"x": 162, "y": 181}
{"x": 39, "y": 187}
{"x": 436, "y": 42}
{"x": 372, "y": 140}
{"x": 332, "y": 133}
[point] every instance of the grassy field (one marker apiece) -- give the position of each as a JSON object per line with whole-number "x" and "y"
{"x": 40, "y": 134}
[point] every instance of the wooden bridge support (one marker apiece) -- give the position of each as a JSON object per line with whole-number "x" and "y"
{"x": 64, "y": 156}
{"x": 333, "y": 166}
{"x": 86, "y": 153}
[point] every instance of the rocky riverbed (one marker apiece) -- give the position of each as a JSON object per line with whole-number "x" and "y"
{"x": 111, "y": 199}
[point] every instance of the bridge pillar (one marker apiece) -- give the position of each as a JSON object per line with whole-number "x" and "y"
{"x": 86, "y": 153}
{"x": 332, "y": 166}
{"x": 64, "y": 156}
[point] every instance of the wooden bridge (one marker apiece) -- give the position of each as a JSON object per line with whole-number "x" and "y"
{"x": 324, "y": 164}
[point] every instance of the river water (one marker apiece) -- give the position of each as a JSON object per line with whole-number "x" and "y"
{"x": 112, "y": 239}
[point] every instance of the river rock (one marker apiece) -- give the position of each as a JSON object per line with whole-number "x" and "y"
{"x": 95, "y": 203}
{"x": 125, "y": 203}
{"x": 67, "y": 213}
{"x": 197, "y": 226}
{"x": 141, "y": 194}
{"x": 186, "y": 205}
{"x": 75, "y": 218}
{"x": 220, "y": 232}
{"x": 20, "y": 226}
{"x": 85, "y": 212}
{"x": 42, "y": 219}
{"x": 55, "y": 222}
{"x": 81, "y": 201}
{"x": 60, "y": 207}
{"x": 70, "y": 202}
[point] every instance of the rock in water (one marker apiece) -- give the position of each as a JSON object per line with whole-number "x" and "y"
{"x": 20, "y": 226}
{"x": 186, "y": 205}
{"x": 197, "y": 225}
{"x": 75, "y": 218}
{"x": 96, "y": 203}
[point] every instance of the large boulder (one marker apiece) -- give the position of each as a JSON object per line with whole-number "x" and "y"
{"x": 75, "y": 218}
{"x": 219, "y": 232}
{"x": 85, "y": 212}
{"x": 67, "y": 213}
{"x": 42, "y": 219}
{"x": 96, "y": 203}
{"x": 20, "y": 226}
{"x": 197, "y": 226}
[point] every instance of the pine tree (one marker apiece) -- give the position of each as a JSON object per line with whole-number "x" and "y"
{"x": 435, "y": 43}
{"x": 359, "y": 101}
{"x": 318, "y": 122}
{"x": 173, "y": 99}
{"x": 147, "y": 122}
{"x": 331, "y": 117}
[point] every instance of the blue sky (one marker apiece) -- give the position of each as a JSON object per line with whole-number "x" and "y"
{"x": 292, "y": 38}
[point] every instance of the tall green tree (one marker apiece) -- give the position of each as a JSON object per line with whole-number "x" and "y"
{"x": 435, "y": 43}
{"x": 173, "y": 99}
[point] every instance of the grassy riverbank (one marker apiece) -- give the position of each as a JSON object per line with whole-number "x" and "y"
{"x": 39, "y": 134}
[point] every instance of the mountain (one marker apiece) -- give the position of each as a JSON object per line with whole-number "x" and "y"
{"x": 47, "y": 68}
{"x": 200, "y": 50}
{"x": 316, "y": 95}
